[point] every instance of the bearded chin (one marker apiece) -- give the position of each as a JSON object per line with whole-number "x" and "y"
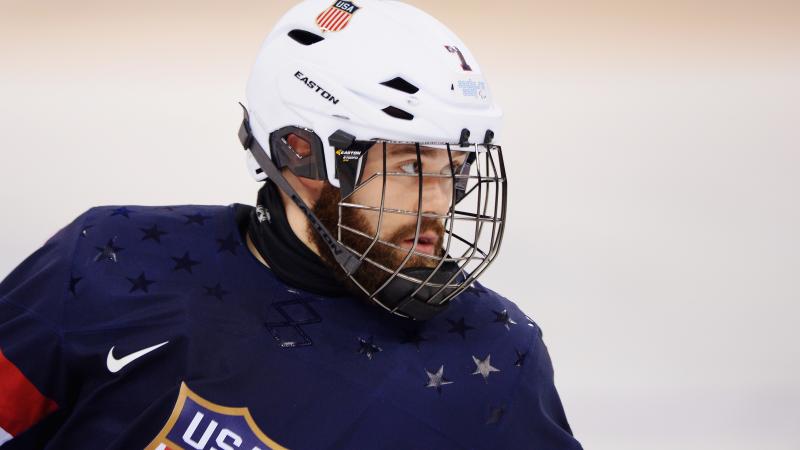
{"x": 368, "y": 275}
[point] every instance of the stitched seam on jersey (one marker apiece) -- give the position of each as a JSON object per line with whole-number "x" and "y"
{"x": 380, "y": 395}
{"x": 53, "y": 327}
{"x": 64, "y": 362}
{"x": 520, "y": 375}
{"x": 38, "y": 318}
{"x": 71, "y": 266}
{"x": 446, "y": 436}
{"x": 32, "y": 314}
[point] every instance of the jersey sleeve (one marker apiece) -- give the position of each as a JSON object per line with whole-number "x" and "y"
{"x": 33, "y": 373}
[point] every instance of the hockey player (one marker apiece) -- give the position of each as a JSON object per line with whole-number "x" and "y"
{"x": 340, "y": 312}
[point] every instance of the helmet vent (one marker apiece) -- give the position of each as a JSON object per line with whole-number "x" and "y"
{"x": 401, "y": 85}
{"x": 305, "y": 37}
{"x": 398, "y": 113}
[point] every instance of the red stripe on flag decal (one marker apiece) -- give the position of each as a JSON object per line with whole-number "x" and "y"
{"x": 341, "y": 23}
{"x": 334, "y": 19}
{"x": 21, "y": 403}
{"x": 324, "y": 23}
{"x": 324, "y": 16}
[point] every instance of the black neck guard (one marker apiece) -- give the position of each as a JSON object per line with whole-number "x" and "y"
{"x": 288, "y": 257}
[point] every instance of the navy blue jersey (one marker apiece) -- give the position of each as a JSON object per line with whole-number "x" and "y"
{"x": 155, "y": 327}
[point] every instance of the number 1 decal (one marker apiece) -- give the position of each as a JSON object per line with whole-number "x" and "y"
{"x": 464, "y": 65}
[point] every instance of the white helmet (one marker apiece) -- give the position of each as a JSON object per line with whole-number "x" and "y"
{"x": 384, "y": 70}
{"x": 365, "y": 71}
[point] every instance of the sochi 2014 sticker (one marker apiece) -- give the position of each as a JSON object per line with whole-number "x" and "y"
{"x": 337, "y": 17}
{"x": 472, "y": 88}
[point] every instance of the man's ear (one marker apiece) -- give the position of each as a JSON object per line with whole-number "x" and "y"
{"x": 299, "y": 145}
{"x": 309, "y": 189}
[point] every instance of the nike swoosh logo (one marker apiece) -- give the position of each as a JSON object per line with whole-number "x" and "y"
{"x": 115, "y": 365}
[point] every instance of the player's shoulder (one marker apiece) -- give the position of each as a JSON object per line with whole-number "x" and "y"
{"x": 127, "y": 252}
{"x": 106, "y": 244}
{"x": 137, "y": 228}
{"x": 108, "y": 232}
{"x": 502, "y": 315}
{"x": 484, "y": 298}
{"x": 114, "y": 215}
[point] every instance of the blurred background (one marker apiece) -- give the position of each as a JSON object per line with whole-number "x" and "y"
{"x": 653, "y": 154}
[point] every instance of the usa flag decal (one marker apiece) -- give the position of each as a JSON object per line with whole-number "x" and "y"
{"x": 337, "y": 16}
{"x": 197, "y": 423}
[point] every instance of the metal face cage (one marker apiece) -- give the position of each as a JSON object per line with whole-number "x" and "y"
{"x": 420, "y": 283}
{"x": 417, "y": 284}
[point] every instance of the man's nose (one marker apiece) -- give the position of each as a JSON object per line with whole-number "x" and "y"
{"x": 437, "y": 194}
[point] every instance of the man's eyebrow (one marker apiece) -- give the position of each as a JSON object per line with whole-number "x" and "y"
{"x": 424, "y": 151}
{"x": 402, "y": 150}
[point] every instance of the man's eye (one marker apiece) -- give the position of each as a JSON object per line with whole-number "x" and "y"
{"x": 411, "y": 168}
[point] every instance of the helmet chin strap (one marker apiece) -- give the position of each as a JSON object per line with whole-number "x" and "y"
{"x": 347, "y": 259}
{"x": 396, "y": 296}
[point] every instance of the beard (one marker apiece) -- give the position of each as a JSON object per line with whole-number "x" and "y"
{"x": 369, "y": 275}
